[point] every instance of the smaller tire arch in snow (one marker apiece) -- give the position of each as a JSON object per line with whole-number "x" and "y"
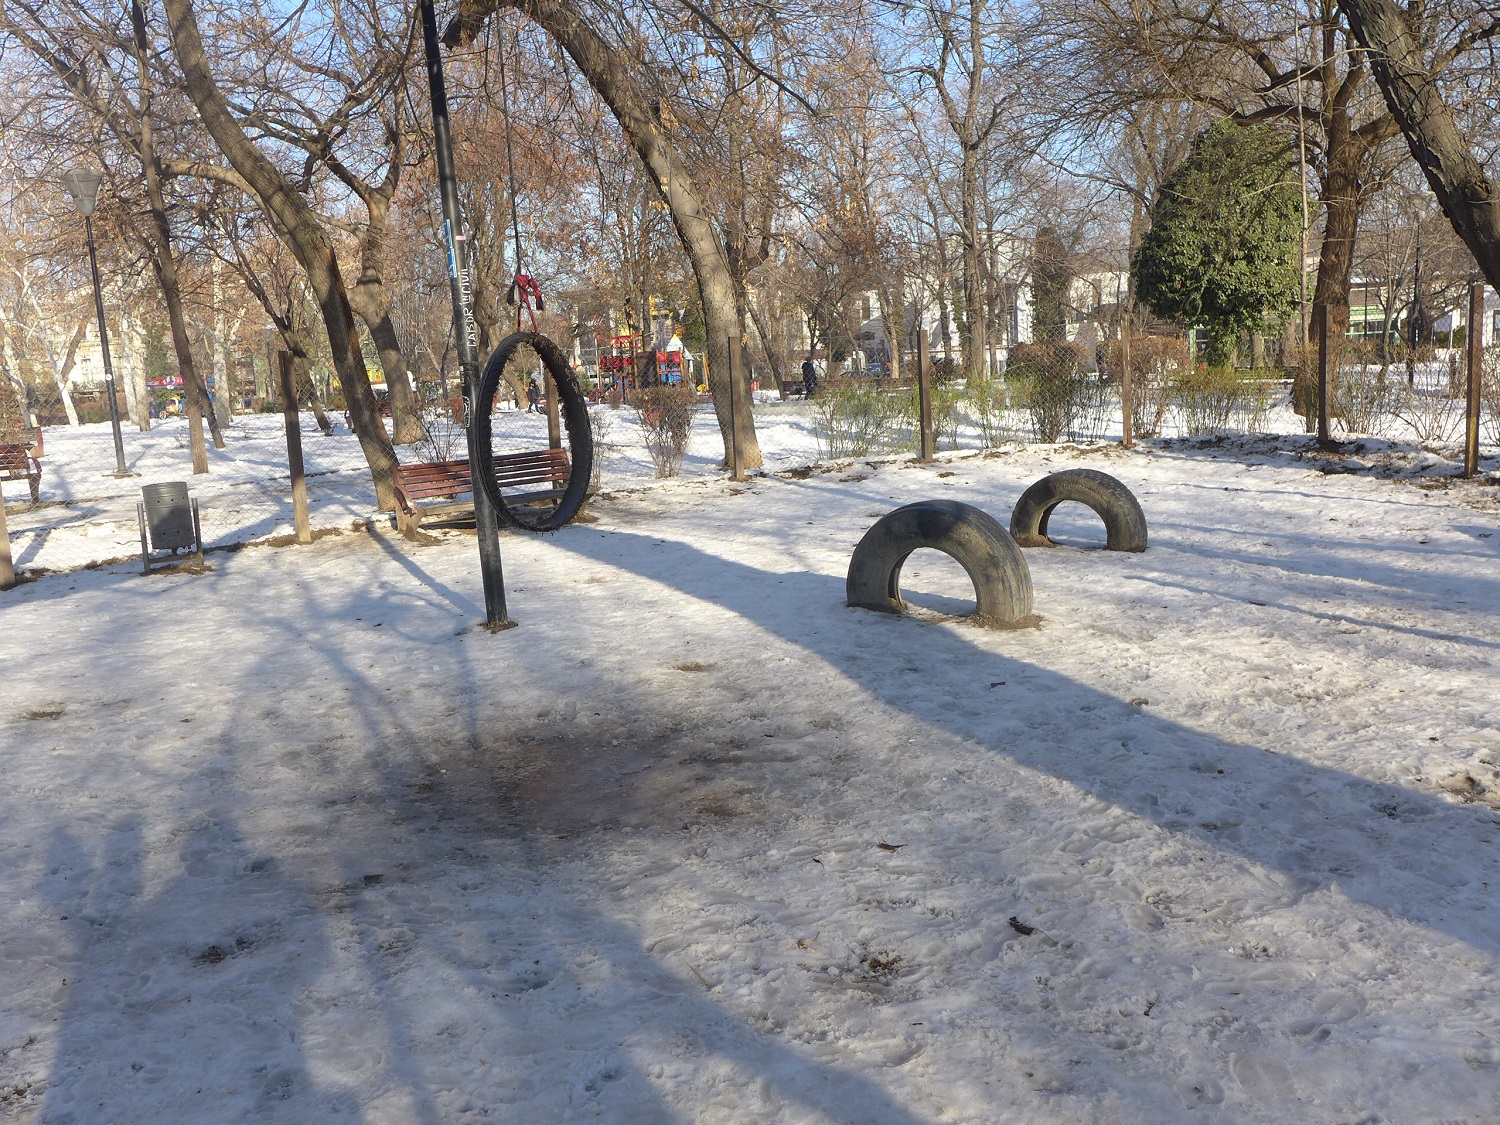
{"x": 990, "y": 557}
{"x": 1111, "y": 501}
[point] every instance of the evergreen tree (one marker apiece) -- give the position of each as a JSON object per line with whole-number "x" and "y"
{"x": 1051, "y": 285}
{"x": 1222, "y": 251}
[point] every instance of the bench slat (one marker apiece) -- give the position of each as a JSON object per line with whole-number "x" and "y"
{"x": 17, "y": 463}
{"x": 425, "y": 480}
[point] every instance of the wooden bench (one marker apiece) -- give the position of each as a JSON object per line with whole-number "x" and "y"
{"x": 18, "y": 461}
{"x": 447, "y": 479}
{"x": 791, "y": 388}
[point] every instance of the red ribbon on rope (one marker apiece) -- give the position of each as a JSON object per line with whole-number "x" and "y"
{"x": 523, "y": 292}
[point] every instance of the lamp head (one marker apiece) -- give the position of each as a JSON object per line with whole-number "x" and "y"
{"x": 83, "y": 186}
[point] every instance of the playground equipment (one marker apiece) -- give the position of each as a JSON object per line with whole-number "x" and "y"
{"x": 988, "y": 554}
{"x": 1116, "y": 505}
{"x": 501, "y": 438}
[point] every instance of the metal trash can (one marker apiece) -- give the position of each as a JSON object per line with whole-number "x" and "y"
{"x": 169, "y": 517}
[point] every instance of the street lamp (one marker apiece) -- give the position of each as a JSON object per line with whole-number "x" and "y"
{"x": 83, "y": 186}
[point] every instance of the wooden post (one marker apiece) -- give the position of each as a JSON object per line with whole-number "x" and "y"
{"x": 1127, "y": 401}
{"x": 1323, "y": 438}
{"x": 7, "y": 568}
{"x": 736, "y": 463}
{"x": 294, "y": 449}
{"x": 554, "y": 419}
{"x": 1474, "y": 339}
{"x": 924, "y": 394}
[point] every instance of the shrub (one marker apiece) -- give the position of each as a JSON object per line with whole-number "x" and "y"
{"x": 1363, "y": 394}
{"x": 601, "y": 422}
{"x": 1155, "y": 363}
{"x": 1206, "y": 399}
{"x": 1435, "y": 418}
{"x": 855, "y": 418}
{"x": 666, "y": 415}
{"x": 1489, "y": 392}
{"x": 947, "y": 414}
{"x": 1049, "y": 381}
{"x": 442, "y": 438}
{"x": 990, "y": 409}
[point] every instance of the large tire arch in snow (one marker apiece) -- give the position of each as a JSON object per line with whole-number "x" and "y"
{"x": 973, "y": 538}
{"x": 1111, "y": 501}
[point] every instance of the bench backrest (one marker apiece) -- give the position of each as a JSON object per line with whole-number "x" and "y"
{"x": 423, "y": 480}
{"x": 16, "y": 461}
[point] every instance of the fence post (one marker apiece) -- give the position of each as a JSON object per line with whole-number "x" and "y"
{"x": 1474, "y": 339}
{"x": 7, "y": 568}
{"x": 1323, "y": 438}
{"x": 924, "y": 394}
{"x": 1127, "y": 429}
{"x": 294, "y": 449}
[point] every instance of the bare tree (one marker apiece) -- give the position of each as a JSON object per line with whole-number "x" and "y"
{"x": 611, "y": 70}
{"x": 1407, "y": 61}
{"x": 303, "y": 231}
{"x": 90, "y": 58}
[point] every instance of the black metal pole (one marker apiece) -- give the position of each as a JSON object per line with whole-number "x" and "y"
{"x": 485, "y": 523}
{"x": 109, "y": 369}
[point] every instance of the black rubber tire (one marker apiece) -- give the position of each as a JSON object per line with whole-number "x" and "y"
{"x": 1116, "y": 505}
{"x": 1002, "y": 580}
{"x": 574, "y": 410}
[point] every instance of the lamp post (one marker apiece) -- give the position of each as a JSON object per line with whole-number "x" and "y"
{"x": 83, "y": 186}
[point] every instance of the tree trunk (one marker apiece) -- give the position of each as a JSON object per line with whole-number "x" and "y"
{"x": 1342, "y": 189}
{"x": 60, "y": 367}
{"x": 306, "y": 386}
{"x": 608, "y": 72}
{"x": 975, "y": 340}
{"x": 1457, "y": 178}
{"x": 892, "y": 316}
{"x": 298, "y": 226}
{"x": 371, "y": 304}
{"x": 765, "y": 342}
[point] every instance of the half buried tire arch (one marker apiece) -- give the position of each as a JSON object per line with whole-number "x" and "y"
{"x": 1111, "y": 501}
{"x": 990, "y": 557}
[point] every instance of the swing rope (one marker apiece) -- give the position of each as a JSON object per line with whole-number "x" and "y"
{"x": 523, "y": 289}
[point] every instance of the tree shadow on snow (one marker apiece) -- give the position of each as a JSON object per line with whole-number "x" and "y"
{"x": 1314, "y": 824}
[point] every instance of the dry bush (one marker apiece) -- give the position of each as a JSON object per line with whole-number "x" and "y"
{"x": 856, "y": 418}
{"x": 1489, "y": 392}
{"x": 1051, "y": 381}
{"x": 1155, "y": 364}
{"x": 666, "y": 415}
{"x": 1364, "y": 394}
{"x": 1206, "y": 398}
{"x": 1435, "y": 418}
{"x": 992, "y": 412}
{"x": 601, "y": 422}
{"x": 442, "y": 438}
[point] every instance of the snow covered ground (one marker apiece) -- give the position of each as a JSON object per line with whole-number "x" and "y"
{"x": 295, "y": 840}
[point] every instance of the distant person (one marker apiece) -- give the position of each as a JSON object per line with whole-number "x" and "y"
{"x": 534, "y": 395}
{"x": 809, "y": 377}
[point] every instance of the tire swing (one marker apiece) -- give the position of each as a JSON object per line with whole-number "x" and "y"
{"x": 1111, "y": 501}
{"x": 1002, "y": 580}
{"x": 510, "y": 474}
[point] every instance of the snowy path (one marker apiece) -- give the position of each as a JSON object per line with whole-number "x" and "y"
{"x": 305, "y": 845}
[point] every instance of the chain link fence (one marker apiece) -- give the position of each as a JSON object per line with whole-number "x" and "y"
{"x": 1055, "y": 393}
{"x": 85, "y": 513}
